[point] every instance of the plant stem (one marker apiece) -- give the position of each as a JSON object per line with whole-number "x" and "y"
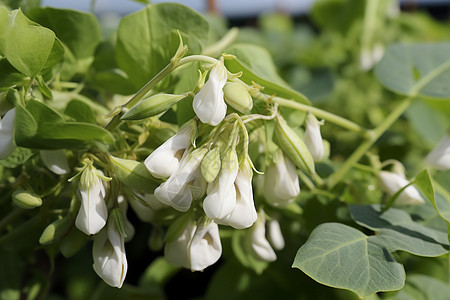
{"x": 227, "y": 39}
{"x": 10, "y": 217}
{"x": 373, "y": 136}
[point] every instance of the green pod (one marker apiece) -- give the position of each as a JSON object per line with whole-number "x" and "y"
{"x": 293, "y": 146}
{"x": 237, "y": 96}
{"x": 211, "y": 164}
{"x": 134, "y": 174}
{"x": 72, "y": 243}
{"x": 152, "y": 106}
{"x": 25, "y": 199}
{"x": 56, "y": 230}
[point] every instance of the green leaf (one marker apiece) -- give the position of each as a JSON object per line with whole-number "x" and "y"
{"x": 397, "y": 231}
{"x": 416, "y": 70}
{"x": 18, "y": 157}
{"x": 257, "y": 66}
{"x": 147, "y": 39}
{"x": 80, "y": 111}
{"x": 9, "y": 76}
{"x": 343, "y": 257}
{"x": 25, "y": 44}
{"x": 424, "y": 287}
{"x": 338, "y": 15}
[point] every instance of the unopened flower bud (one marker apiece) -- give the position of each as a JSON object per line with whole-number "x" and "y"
{"x": 152, "y": 106}
{"x": 313, "y": 138}
{"x": 26, "y": 200}
{"x": 56, "y": 230}
{"x": 391, "y": 183}
{"x": 439, "y": 157}
{"x": 260, "y": 246}
{"x": 275, "y": 235}
{"x": 238, "y": 97}
{"x": 55, "y": 160}
{"x": 293, "y": 146}
{"x": 7, "y": 133}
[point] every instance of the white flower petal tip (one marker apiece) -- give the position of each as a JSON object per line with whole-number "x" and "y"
{"x": 391, "y": 183}
{"x": 55, "y": 161}
{"x": 209, "y": 104}
{"x": 197, "y": 248}
{"x": 281, "y": 184}
{"x": 260, "y": 245}
{"x": 313, "y": 137}
{"x": 7, "y": 133}
{"x": 110, "y": 261}
{"x": 275, "y": 236}
{"x": 165, "y": 160}
{"x": 439, "y": 157}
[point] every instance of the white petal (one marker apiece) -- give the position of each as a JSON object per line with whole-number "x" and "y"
{"x": 439, "y": 158}
{"x": 259, "y": 243}
{"x": 392, "y": 183}
{"x": 275, "y": 236}
{"x": 55, "y": 160}
{"x": 176, "y": 252}
{"x": 144, "y": 212}
{"x": 205, "y": 248}
{"x": 129, "y": 228}
{"x": 313, "y": 138}
{"x": 7, "y": 133}
{"x": 93, "y": 212}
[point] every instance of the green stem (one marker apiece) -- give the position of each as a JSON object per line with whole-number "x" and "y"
{"x": 368, "y": 143}
{"x": 227, "y": 39}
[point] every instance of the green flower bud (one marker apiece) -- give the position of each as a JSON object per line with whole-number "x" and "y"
{"x": 25, "y": 199}
{"x": 211, "y": 165}
{"x": 238, "y": 97}
{"x": 152, "y": 106}
{"x": 134, "y": 174}
{"x": 293, "y": 146}
{"x": 56, "y": 230}
{"x": 72, "y": 243}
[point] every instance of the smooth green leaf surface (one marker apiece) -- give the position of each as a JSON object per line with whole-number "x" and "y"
{"x": 147, "y": 39}
{"x": 343, "y": 257}
{"x": 257, "y": 66}
{"x": 397, "y": 231}
{"x": 422, "y": 287}
{"x": 416, "y": 69}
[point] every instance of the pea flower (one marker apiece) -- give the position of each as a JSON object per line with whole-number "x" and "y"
{"x": 439, "y": 157}
{"x": 165, "y": 160}
{"x": 259, "y": 244}
{"x": 6, "y": 133}
{"x": 108, "y": 251}
{"x": 209, "y": 104}
{"x": 185, "y": 184}
{"x": 243, "y": 214}
{"x": 93, "y": 213}
{"x": 313, "y": 138}
{"x": 392, "y": 182}
{"x": 221, "y": 194}
{"x": 275, "y": 236}
{"x": 55, "y": 161}
{"x": 281, "y": 184}
{"x": 196, "y": 248}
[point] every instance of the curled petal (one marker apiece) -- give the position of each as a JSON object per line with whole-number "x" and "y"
{"x": 275, "y": 236}
{"x": 176, "y": 252}
{"x": 205, "y": 248}
{"x": 6, "y": 133}
{"x": 259, "y": 243}
{"x": 392, "y": 183}
{"x": 55, "y": 160}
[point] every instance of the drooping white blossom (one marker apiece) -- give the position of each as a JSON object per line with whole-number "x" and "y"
{"x": 196, "y": 248}
{"x": 7, "y": 133}
{"x": 108, "y": 251}
{"x": 244, "y": 213}
{"x": 93, "y": 212}
{"x": 221, "y": 193}
{"x": 281, "y": 184}
{"x": 165, "y": 160}
{"x": 313, "y": 137}
{"x": 209, "y": 104}
{"x": 185, "y": 184}
{"x": 392, "y": 182}
{"x": 275, "y": 235}
{"x": 439, "y": 157}
{"x": 55, "y": 160}
{"x": 259, "y": 243}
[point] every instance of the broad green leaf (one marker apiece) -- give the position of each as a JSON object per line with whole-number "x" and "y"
{"x": 25, "y": 44}
{"x": 397, "y": 231}
{"x": 147, "y": 39}
{"x": 257, "y": 66}
{"x": 416, "y": 70}
{"x": 422, "y": 287}
{"x": 80, "y": 111}
{"x": 343, "y": 257}
{"x": 18, "y": 157}
{"x": 9, "y": 76}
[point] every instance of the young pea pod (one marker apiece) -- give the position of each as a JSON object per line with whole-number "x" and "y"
{"x": 237, "y": 96}
{"x": 26, "y": 200}
{"x": 134, "y": 174}
{"x": 293, "y": 146}
{"x": 152, "y": 106}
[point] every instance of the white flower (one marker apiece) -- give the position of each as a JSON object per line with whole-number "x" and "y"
{"x": 392, "y": 183}
{"x": 275, "y": 236}
{"x": 243, "y": 214}
{"x": 281, "y": 184}
{"x": 55, "y": 160}
{"x": 313, "y": 138}
{"x": 209, "y": 104}
{"x": 165, "y": 160}
{"x": 221, "y": 197}
{"x": 108, "y": 251}
{"x": 370, "y": 56}
{"x": 198, "y": 247}
{"x": 145, "y": 206}
{"x": 260, "y": 246}
{"x": 7, "y": 133}
{"x": 439, "y": 157}
{"x": 185, "y": 184}
{"x": 93, "y": 213}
